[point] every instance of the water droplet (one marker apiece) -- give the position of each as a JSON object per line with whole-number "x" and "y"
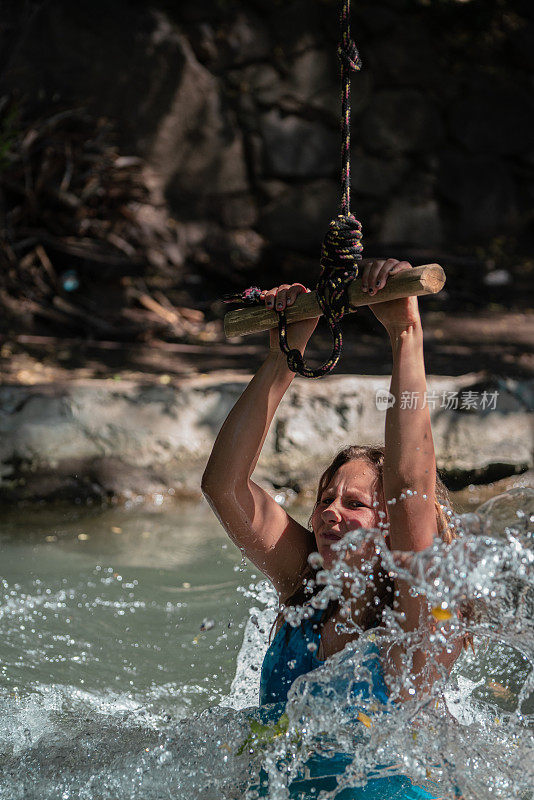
{"x": 315, "y": 560}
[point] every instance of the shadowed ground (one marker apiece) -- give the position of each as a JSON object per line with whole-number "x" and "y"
{"x": 498, "y": 343}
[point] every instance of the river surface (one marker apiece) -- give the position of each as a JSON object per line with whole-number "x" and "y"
{"x": 131, "y": 646}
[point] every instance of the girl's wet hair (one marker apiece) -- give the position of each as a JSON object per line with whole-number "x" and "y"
{"x": 374, "y": 455}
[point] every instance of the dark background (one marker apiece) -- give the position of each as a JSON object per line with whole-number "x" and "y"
{"x": 153, "y": 156}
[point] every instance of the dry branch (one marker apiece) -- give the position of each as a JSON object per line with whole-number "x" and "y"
{"x": 76, "y": 235}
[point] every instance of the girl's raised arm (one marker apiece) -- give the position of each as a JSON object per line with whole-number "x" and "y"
{"x": 409, "y": 463}
{"x": 267, "y": 535}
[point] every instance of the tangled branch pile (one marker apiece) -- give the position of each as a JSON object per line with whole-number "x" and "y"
{"x": 83, "y": 250}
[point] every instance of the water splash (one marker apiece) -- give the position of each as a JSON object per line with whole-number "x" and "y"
{"x": 470, "y": 736}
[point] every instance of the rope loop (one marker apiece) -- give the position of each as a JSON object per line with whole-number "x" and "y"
{"x": 295, "y": 362}
{"x": 341, "y": 252}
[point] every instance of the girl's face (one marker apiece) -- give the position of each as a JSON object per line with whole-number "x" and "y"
{"x": 345, "y": 505}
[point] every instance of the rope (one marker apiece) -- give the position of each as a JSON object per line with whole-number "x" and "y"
{"x": 341, "y": 250}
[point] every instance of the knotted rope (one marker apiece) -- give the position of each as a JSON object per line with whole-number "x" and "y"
{"x": 341, "y": 250}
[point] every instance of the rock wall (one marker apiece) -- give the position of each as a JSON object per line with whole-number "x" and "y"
{"x": 125, "y": 440}
{"x": 235, "y": 107}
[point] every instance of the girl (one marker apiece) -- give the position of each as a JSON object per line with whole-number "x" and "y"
{"x": 353, "y": 493}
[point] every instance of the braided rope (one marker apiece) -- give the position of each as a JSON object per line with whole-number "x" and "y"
{"x": 340, "y": 253}
{"x": 342, "y": 248}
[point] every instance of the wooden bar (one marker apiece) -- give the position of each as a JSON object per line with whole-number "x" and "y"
{"x": 428, "y": 279}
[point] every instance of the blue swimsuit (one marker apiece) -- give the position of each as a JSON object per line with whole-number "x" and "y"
{"x": 289, "y": 657}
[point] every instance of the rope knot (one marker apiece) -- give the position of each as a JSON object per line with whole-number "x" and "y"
{"x": 342, "y": 248}
{"x": 295, "y": 362}
{"x": 349, "y": 56}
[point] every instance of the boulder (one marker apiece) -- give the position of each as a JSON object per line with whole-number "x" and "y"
{"x": 127, "y": 440}
{"x": 198, "y": 151}
{"x": 299, "y": 215}
{"x": 223, "y": 37}
{"x": 411, "y": 221}
{"x": 378, "y": 19}
{"x": 242, "y": 37}
{"x": 482, "y": 192}
{"x": 401, "y": 121}
{"x": 375, "y": 176}
{"x": 300, "y": 25}
{"x": 120, "y": 60}
{"x": 490, "y": 119}
{"x": 412, "y": 59}
{"x": 311, "y": 81}
{"x": 256, "y": 84}
{"x": 296, "y": 148}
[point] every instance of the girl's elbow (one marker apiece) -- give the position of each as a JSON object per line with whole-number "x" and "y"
{"x": 208, "y": 484}
{"x": 217, "y": 487}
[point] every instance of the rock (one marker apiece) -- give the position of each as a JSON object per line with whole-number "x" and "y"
{"x": 301, "y": 25}
{"x": 226, "y": 38}
{"x": 408, "y": 221}
{"x": 491, "y": 119}
{"x": 112, "y": 58}
{"x": 522, "y": 46}
{"x": 245, "y": 38}
{"x": 100, "y": 438}
{"x": 375, "y": 176}
{"x": 225, "y": 99}
{"x": 401, "y": 121}
{"x": 296, "y": 148}
{"x": 311, "y": 81}
{"x": 259, "y": 82}
{"x": 412, "y": 59}
{"x": 198, "y": 151}
{"x": 226, "y": 253}
{"x": 377, "y": 19}
{"x": 481, "y": 190}
{"x": 237, "y": 211}
{"x": 299, "y": 216}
